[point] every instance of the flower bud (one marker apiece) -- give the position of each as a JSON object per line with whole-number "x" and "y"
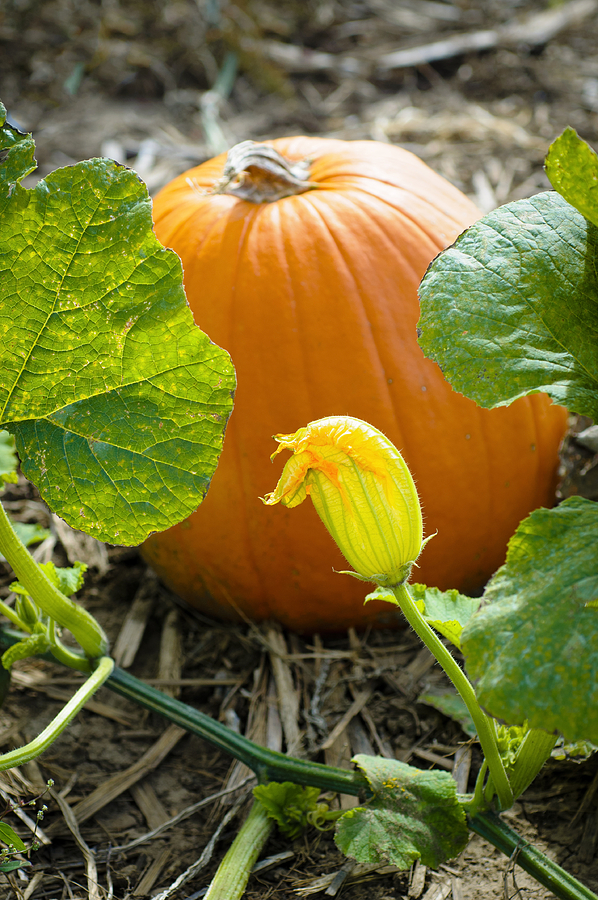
{"x": 362, "y": 490}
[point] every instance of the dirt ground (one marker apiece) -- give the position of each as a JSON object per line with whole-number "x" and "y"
{"x": 162, "y": 86}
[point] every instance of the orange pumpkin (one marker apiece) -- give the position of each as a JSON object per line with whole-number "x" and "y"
{"x": 306, "y": 268}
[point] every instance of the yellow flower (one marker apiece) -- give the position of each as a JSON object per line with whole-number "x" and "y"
{"x": 362, "y": 490}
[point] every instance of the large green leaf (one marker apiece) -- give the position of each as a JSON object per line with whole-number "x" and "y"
{"x": 414, "y": 814}
{"x": 117, "y": 401}
{"x": 572, "y": 167}
{"x": 533, "y": 650}
{"x": 512, "y": 307}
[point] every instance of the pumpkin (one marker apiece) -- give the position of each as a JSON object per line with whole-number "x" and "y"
{"x": 302, "y": 257}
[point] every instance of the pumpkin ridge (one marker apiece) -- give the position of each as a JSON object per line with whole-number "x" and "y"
{"x": 367, "y": 214}
{"x": 250, "y": 218}
{"x": 300, "y": 207}
{"x": 396, "y": 401}
{"x": 410, "y": 218}
{"x": 361, "y": 294}
{"x": 276, "y": 233}
{"x": 296, "y": 306}
{"x": 181, "y": 227}
{"x": 536, "y": 436}
{"x": 399, "y": 437}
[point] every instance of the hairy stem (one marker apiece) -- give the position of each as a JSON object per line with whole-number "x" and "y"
{"x": 53, "y": 602}
{"x": 483, "y": 724}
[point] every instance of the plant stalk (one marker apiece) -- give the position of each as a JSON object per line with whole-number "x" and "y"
{"x": 483, "y": 724}
{"x": 57, "y": 725}
{"x": 272, "y": 766}
{"x": 268, "y": 765}
{"x": 53, "y": 602}
{"x": 524, "y": 854}
{"x": 231, "y": 878}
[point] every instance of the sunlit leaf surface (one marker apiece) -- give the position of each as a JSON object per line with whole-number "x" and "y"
{"x": 117, "y": 401}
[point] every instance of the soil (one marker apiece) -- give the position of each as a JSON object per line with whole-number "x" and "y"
{"x": 163, "y": 86}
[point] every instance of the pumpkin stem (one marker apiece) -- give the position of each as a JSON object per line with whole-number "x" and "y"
{"x": 260, "y": 174}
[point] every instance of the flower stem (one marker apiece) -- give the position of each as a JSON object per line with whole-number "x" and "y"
{"x": 48, "y": 735}
{"x": 231, "y": 878}
{"x": 53, "y": 602}
{"x": 483, "y": 724}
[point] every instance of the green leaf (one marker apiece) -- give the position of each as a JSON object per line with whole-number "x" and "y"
{"x": 8, "y": 459}
{"x": 68, "y": 580}
{"x": 288, "y": 804}
{"x": 10, "y": 838}
{"x": 30, "y": 533}
{"x": 16, "y": 155}
{"x": 414, "y": 814}
{"x": 446, "y": 611}
{"x": 450, "y": 704}
{"x": 578, "y": 751}
{"x": 13, "y": 864}
{"x": 572, "y": 167}
{"x": 117, "y": 401}
{"x": 512, "y": 307}
{"x": 532, "y": 651}
{"x": 34, "y": 645}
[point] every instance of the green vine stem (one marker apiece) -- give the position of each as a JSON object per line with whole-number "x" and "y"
{"x": 524, "y": 854}
{"x": 57, "y": 725}
{"x": 232, "y": 875}
{"x": 74, "y": 659}
{"x": 484, "y": 725}
{"x": 271, "y": 766}
{"x": 268, "y": 765}
{"x": 63, "y": 610}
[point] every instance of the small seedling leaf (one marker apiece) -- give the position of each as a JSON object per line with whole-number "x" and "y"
{"x": 288, "y": 804}
{"x": 446, "y": 611}
{"x": 117, "y": 401}
{"x": 414, "y": 814}
{"x": 532, "y": 651}
{"x": 572, "y": 167}
{"x": 512, "y": 307}
{"x": 68, "y": 580}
